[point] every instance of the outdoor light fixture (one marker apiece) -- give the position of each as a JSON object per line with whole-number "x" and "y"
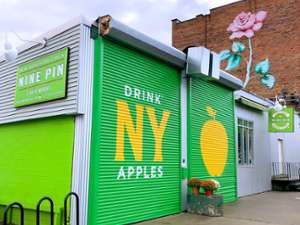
{"x": 10, "y": 51}
{"x": 279, "y": 104}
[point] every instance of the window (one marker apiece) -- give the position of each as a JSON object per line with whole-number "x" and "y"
{"x": 245, "y": 142}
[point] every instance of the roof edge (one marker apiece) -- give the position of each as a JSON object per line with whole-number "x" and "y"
{"x": 111, "y": 28}
{"x": 230, "y": 80}
{"x": 53, "y": 32}
{"x": 253, "y": 97}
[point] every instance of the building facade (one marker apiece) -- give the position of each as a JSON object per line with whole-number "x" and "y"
{"x": 278, "y": 40}
{"x": 46, "y": 138}
{"x": 115, "y": 116}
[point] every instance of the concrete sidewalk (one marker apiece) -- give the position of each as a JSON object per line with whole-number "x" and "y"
{"x": 270, "y": 208}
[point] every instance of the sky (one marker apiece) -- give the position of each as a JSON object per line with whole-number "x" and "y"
{"x": 31, "y": 18}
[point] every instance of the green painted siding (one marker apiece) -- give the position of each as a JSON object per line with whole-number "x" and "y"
{"x": 36, "y": 161}
{"x": 207, "y": 134}
{"x": 123, "y": 189}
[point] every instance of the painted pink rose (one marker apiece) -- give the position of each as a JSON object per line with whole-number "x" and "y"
{"x": 245, "y": 24}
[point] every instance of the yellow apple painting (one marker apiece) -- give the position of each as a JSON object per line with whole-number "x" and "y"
{"x": 214, "y": 144}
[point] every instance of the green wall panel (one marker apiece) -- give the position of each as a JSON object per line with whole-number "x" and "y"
{"x": 30, "y": 216}
{"x": 36, "y": 161}
{"x": 211, "y": 135}
{"x": 130, "y": 180}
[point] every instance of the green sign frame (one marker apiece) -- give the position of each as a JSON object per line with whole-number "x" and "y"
{"x": 281, "y": 121}
{"x": 42, "y": 79}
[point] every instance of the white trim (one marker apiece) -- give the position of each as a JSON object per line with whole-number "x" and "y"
{"x": 83, "y": 125}
{"x": 216, "y": 62}
{"x": 133, "y": 38}
{"x": 230, "y": 80}
{"x": 184, "y": 158}
{"x": 252, "y": 104}
{"x": 253, "y": 97}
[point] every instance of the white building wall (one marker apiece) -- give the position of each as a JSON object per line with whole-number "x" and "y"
{"x": 291, "y": 144}
{"x": 256, "y": 178}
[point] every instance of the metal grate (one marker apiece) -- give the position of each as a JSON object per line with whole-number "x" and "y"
{"x": 285, "y": 171}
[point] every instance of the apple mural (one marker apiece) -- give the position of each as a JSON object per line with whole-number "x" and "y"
{"x": 214, "y": 144}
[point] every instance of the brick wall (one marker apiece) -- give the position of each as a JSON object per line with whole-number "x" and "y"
{"x": 278, "y": 40}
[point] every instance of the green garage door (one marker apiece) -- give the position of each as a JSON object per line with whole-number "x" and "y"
{"x": 135, "y": 156}
{"x": 212, "y": 139}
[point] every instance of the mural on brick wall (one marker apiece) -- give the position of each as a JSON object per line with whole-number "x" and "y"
{"x": 246, "y": 25}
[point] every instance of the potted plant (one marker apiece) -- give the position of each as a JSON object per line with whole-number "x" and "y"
{"x": 194, "y": 183}
{"x": 210, "y": 186}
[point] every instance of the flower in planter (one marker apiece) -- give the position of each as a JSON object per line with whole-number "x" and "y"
{"x": 195, "y": 184}
{"x": 210, "y": 186}
{"x": 217, "y": 183}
